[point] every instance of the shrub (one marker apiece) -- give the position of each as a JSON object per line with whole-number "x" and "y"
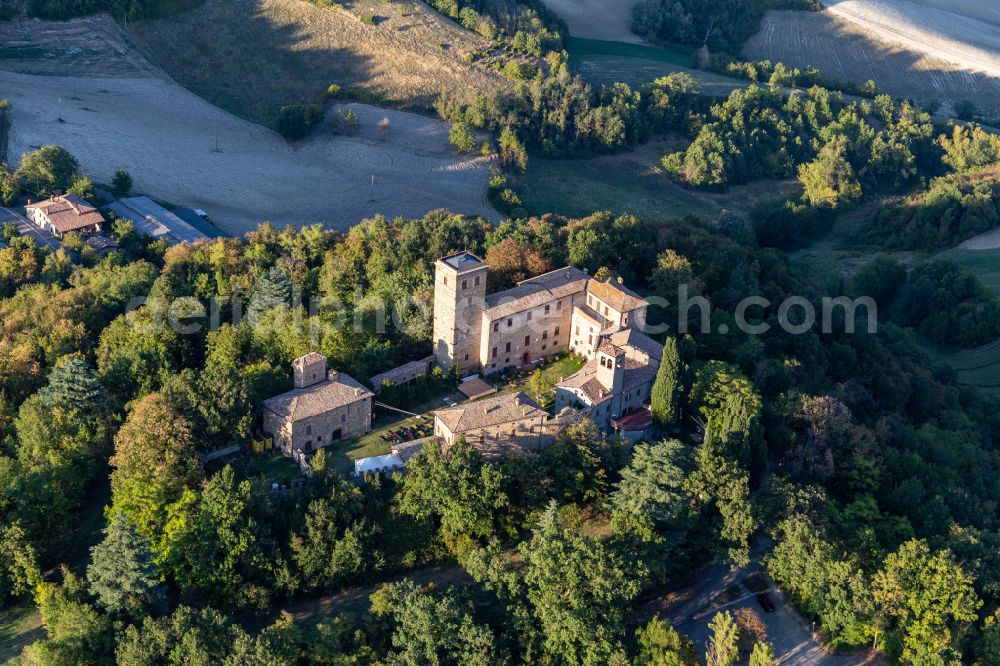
{"x": 460, "y": 135}
{"x": 295, "y": 121}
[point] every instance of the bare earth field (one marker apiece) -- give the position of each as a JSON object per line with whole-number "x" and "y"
{"x": 850, "y": 50}
{"x": 963, "y": 32}
{"x": 182, "y": 149}
{"x": 251, "y": 57}
{"x": 609, "y": 20}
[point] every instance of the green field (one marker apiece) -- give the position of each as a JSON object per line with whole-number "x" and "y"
{"x": 602, "y": 62}
{"x": 984, "y": 263}
{"x": 633, "y": 183}
{"x": 978, "y": 367}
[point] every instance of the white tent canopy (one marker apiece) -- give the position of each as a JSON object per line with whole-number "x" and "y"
{"x": 389, "y": 461}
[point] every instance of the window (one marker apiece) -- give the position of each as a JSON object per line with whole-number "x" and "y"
{"x": 529, "y": 315}
{"x": 545, "y": 335}
{"x": 547, "y": 309}
{"x": 343, "y": 418}
{"x": 476, "y": 281}
{"x": 507, "y": 348}
{"x": 464, "y": 284}
{"x": 556, "y": 332}
{"x": 510, "y": 322}
{"x": 578, "y": 330}
{"x": 444, "y": 278}
{"x": 558, "y": 305}
{"x": 527, "y": 340}
{"x": 506, "y": 361}
{"x": 496, "y": 326}
{"x": 625, "y": 319}
{"x": 590, "y": 339}
{"x": 493, "y": 365}
{"x": 544, "y": 347}
{"x": 494, "y": 352}
{"x": 309, "y": 430}
{"x": 605, "y": 310}
{"x": 466, "y": 357}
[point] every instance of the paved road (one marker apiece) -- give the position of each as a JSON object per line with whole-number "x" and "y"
{"x": 26, "y": 228}
{"x": 788, "y": 631}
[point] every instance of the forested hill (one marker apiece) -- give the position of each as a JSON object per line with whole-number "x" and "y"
{"x": 874, "y": 475}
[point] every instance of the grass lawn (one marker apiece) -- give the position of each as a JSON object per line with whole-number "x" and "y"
{"x": 343, "y": 454}
{"x": 552, "y": 373}
{"x": 633, "y": 182}
{"x": 19, "y": 626}
{"x": 601, "y": 62}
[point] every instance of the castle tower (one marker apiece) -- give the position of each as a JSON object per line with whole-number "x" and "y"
{"x": 459, "y": 301}
{"x": 309, "y": 370}
{"x": 611, "y": 367}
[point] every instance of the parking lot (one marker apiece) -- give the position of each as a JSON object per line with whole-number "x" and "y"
{"x": 26, "y": 228}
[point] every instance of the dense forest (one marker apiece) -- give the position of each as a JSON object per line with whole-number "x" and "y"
{"x": 872, "y": 471}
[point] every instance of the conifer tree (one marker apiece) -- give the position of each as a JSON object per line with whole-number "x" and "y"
{"x": 273, "y": 289}
{"x": 663, "y": 397}
{"x": 121, "y": 571}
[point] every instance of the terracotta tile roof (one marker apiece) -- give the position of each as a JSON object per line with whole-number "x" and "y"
{"x": 535, "y": 292}
{"x": 638, "y": 420}
{"x": 631, "y": 337}
{"x": 609, "y": 348}
{"x": 585, "y": 380}
{"x": 637, "y": 373}
{"x": 101, "y": 243}
{"x": 496, "y": 411}
{"x": 616, "y": 295}
{"x": 68, "y": 213}
{"x": 337, "y": 391}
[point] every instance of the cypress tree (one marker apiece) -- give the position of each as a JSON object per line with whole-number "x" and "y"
{"x": 663, "y": 397}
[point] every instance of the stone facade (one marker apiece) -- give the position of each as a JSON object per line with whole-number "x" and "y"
{"x": 546, "y": 315}
{"x": 618, "y": 381}
{"x": 323, "y": 408}
{"x": 496, "y": 425}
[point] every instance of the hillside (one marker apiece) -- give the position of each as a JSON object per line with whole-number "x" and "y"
{"x": 251, "y": 57}
{"x": 910, "y": 49}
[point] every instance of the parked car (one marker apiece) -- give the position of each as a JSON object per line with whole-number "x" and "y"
{"x": 765, "y": 602}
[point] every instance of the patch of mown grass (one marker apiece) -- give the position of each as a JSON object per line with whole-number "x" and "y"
{"x": 635, "y": 183}
{"x": 20, "y": 626}
{"x": 601, "y": 62}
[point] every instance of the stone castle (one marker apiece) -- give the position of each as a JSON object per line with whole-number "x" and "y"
{"x": 563, "y": 310}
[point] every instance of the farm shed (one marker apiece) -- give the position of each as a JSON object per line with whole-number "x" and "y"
{"x": 154, "y": 220}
